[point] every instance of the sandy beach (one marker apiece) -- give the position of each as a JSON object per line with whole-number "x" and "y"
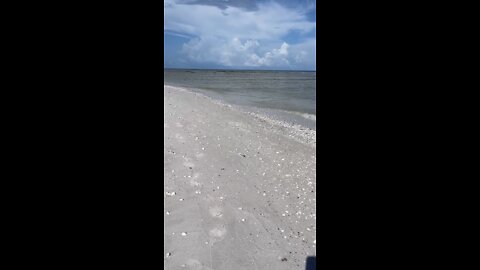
{"x": 239, "y": 189}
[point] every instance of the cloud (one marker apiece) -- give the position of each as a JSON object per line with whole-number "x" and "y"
{"x": 270, "y": 21}
{"x": 223, "y": 4}
{"x": 235, "y": 53}
{"x": 241, "y": 37}
{"x": 276, "y": 57}
{"x": 304, "y": 54}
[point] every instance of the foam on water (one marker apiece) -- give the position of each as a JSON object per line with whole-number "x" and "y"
{"x": 284, "y": 121}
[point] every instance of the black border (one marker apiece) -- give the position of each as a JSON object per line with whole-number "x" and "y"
{"x": 83, "y": 104}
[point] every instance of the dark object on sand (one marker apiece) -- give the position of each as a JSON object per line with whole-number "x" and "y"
{"x": 311, "y": 263}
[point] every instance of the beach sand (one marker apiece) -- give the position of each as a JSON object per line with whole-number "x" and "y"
{"x": 239, "y": 189}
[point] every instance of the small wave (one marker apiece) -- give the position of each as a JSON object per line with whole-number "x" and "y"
{"x": 309, "y": 116}
{"x": 295, "y": 131}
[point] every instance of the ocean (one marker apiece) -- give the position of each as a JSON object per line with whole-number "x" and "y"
{"x": 289, "y": 96}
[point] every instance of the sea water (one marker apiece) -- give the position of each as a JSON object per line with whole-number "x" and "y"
{"x": 283, "y": 95}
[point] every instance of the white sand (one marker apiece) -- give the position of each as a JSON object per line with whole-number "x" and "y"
{"x": 239, "y": 190}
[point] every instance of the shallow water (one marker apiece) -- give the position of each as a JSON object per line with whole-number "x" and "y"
{"x": 285, "y": 95}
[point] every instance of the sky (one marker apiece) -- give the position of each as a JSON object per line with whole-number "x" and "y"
{"x": 240, "y": 34}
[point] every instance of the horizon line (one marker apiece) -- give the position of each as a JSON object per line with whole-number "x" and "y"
{"x": 233, "y": 69}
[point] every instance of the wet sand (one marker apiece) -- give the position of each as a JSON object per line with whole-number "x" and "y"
{"x": 239, "y": 189}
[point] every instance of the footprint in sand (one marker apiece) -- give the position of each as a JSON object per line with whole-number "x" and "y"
{"x": 193, "y": 181}
{"x": 216, "y": 211}
{"x": 218, "y": 232}
{"x": 188, "y": 164}
{"x": 195, "y": 265}
{"x": 180, "y": 138}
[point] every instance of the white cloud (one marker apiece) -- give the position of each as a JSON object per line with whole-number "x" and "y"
{"x": 237, "y": 37}
{"x": 270, "y": 21}
{"x": 304, "y": 54}
{"x": 234, "y": 53}
{"x": 277, "y": 57}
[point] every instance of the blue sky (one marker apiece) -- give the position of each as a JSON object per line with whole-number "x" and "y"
{"x": 240, "y": 34}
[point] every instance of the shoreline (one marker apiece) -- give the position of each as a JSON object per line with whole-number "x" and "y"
{"x": 240, "y": 188}
{"x": 302, "y": 131}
